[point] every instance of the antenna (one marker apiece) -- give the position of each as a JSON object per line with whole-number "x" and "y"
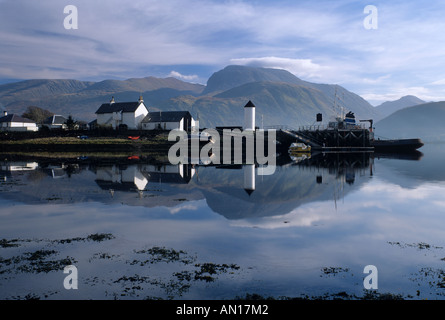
{"x": 335, "y": 99}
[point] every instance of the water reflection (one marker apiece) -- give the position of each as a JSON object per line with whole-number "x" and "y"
{"x": 233, "y": 191}
{"x": 140, "y": 228}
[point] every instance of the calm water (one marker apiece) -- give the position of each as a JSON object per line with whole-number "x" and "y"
{"x": 136, "y": 230}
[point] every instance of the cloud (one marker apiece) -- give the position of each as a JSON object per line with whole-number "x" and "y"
{"x": 377, "y": 80}
{"x": 321, "y": 42}
{"x": 178, "y": 209}
{"x": 393, "y": 93}
{"x": 440, "y": 82}
{"x": 300, "y": 67}
{"x": 178, "y": 75}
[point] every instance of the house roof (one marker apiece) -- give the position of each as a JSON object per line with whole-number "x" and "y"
{"x": 15, "y": 118}
{"x": 55, "y": 119}
{"x": 166, "y": 116}
{"x": 119, "y": 107}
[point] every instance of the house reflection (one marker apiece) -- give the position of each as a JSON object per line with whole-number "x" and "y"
{"x": 58, "y": 171}
{"x": 19, "y": 166}
{"x": 9, "y": 169}
{"x": 138, "y": 176}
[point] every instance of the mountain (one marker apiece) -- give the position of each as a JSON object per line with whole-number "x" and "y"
{"x": 280, "y": 97}
{"x": 234, "y": 76}
{"x": 425, "y": 121}
{"x": 390, "y": 107}
{"x": 82, "y": 98}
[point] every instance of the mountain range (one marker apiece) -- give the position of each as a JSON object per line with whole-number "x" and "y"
{"x": 280, "y": 97}
{"x": 389, "y": 107}
{"x": 425, "y": 121}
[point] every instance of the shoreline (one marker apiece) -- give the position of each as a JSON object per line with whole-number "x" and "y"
{"x": 90, "y": 145}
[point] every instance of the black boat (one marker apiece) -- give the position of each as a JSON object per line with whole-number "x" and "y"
{"x": 396, "y": 145}
{"x": 393, "y": 145}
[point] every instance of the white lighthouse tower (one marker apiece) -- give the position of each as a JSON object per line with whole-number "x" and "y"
{"x": 249, "y": 178}
{"x": 249, "y": 116}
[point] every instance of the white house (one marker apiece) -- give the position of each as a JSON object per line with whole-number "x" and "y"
{"x": 122, "y": 114}
{"x": 13, "y": 122}
{"x": 169, "y": 120}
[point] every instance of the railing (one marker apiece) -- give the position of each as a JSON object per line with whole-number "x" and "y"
{"x": 315, "y": 127}
{"x": 357, "y": 126}
{"x": 296, "y": 133}
{"x": 281, "y": 127}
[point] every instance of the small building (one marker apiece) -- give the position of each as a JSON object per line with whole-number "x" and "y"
{"x": 92, "y": 125}
{"x": 55, "y": 122}
{"x": 117, "y": 115}
{"x": 169, "y": 120}
{"x": 13, "y": 122}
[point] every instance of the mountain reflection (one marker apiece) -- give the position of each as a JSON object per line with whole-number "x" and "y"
{"x": 233, "y": 191}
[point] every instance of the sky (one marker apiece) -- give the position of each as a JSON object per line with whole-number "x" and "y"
{"x": 393, "y": 50}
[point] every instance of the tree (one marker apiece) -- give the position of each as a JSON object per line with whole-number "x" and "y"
{"x": 37, "y": 114}
{"x": 71, "y": 123}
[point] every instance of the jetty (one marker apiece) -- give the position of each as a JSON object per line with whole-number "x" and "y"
{"x": 325, "y": 139}
{"x": 345, "y": 134}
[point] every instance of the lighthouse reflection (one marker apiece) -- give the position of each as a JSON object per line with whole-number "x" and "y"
{"x": 319, "y": 178}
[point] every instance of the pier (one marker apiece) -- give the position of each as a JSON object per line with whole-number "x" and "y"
{"x": 327, "y": 139}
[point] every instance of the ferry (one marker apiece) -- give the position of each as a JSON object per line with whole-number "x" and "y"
{"x": 386, "y": 145}
{"x": 343, "y": 134}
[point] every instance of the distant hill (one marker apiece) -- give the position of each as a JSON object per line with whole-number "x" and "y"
{"x": 425, "y": 121}
{"x": 280, "y": 97}
{"x": 389, "y": 107}
{"x": 82, "y": 98}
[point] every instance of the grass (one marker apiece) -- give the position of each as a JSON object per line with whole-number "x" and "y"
{"x": 89, "y": 141}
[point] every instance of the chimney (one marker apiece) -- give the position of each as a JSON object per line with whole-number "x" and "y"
{"x": 5, "y": 113}
{"x": 112, "y": 100}
{"x": 141, "y": 99}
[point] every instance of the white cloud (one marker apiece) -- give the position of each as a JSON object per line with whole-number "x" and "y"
{"x": 180, "y": 208}
{"x": 393, "y": 93}
{"x": 178, "y": 75}
{"x": 322, "y": 42}
{"x": 377, "y": 80}
{"x": 304, "y": 68}
{"x": 440, "y": 82}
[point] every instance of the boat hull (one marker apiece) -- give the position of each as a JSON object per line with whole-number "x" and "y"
{"x": 396, "y": 145}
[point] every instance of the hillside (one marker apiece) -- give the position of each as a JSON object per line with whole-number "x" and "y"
{"x": 390, "y": 107}
{"x": 425, "y": 121}
{"x": 82, "y": 98}
{"x": 280, "y": 97}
